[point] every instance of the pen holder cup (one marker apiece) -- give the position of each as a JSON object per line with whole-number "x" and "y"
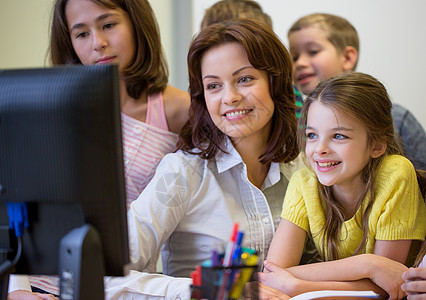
{"x": 221, "y": 283}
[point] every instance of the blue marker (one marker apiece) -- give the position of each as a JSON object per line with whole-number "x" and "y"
{"x": 236, "y": 256}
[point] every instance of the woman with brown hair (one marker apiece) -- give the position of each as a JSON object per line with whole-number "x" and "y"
{"x": 236, "y": 156}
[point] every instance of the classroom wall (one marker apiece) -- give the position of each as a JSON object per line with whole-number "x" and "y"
{"x": 392, "y": 36}
{"x": 24, "y": 27}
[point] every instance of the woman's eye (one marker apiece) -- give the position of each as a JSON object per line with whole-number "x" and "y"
{"x": 245, "y": 79}
{"x": 212, "y": 86}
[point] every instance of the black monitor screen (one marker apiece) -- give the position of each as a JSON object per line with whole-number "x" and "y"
{"x": 61, "y": 153}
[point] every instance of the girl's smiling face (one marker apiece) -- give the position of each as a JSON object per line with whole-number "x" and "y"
{"x": 100, "y": 35}
{"x": 337, "y": 147}
{"x": 237, "y": 95}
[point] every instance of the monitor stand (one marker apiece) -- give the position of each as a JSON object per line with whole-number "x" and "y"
{"x": 81, "y": 265}
{"x": 6, "y": 268}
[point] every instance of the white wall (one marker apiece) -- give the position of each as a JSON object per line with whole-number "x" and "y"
{"x": 392, "y": 35}
{"x": 24, "y": 27}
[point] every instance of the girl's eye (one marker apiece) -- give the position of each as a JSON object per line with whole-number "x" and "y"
{"x": 313, "y": 52}
{"x": 245, "y": 79}
{"x": 295, "y": 58}
{"x": 311, "y": 135}
{"x": 109, "y": 25}
{"x": 339, "y": 136}
{"x": 81, "y": 35}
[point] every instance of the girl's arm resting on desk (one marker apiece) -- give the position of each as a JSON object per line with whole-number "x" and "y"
{"x": 26, "y": 295}
{"x": 20, "y": 288}
{"x": 383, "y": 272}
{"x": 287, "y": 281}
{"x": 282, "y": 252}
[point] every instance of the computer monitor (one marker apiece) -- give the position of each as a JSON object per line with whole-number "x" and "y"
{"x": 61, "y": 154}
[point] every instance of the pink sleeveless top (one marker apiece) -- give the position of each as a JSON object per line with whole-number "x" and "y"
{"x": 144, "y": 145}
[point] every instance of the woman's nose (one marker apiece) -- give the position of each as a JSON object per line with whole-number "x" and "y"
{"x": 231, "y": 95}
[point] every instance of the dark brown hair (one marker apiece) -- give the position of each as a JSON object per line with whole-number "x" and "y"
{"x": 265, "y": 52}
{"x": 226, "y": 10}
{"x": 366, "y": 99}
{"x": 148, "y": 70}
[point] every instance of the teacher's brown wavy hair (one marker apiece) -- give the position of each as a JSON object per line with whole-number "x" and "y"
{"x": 265, "y": 52}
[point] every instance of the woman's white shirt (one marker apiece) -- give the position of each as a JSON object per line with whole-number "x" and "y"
{"x": 189, "y": 209}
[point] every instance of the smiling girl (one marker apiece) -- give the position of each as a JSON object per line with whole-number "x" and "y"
{"x": 360, "y": 195}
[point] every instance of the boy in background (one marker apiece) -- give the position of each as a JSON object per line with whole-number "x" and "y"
{"x": 325, "y": 45}
{"x": 225, "y": 10}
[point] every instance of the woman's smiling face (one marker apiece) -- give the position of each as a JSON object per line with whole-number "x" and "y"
{"x": 237, "y": 95}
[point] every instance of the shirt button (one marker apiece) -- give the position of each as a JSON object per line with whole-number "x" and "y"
{"x": 126, "y": 161}
{"x": 265, "y": 220}
{"x": 138, "y": 129}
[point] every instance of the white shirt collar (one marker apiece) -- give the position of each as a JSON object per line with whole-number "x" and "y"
{"x": 226, "y": 161}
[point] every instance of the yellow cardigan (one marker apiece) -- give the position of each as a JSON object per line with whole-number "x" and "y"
{"x": 398, "y": 211}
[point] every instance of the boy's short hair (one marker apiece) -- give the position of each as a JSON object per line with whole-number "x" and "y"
{"x": 225, "y": 10}
{"x": 339, "y": 31}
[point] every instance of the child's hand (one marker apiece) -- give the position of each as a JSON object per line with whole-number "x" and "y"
{"x": 415, "y": 283}
{"x": 26, "y": 295}
{"x": 279, "y": 279}
{"x": 256, "y": 290}
{"x": 387, "y": 274}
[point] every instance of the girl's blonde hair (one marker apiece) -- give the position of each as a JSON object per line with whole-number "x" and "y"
{"x": 366, "y": 99}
